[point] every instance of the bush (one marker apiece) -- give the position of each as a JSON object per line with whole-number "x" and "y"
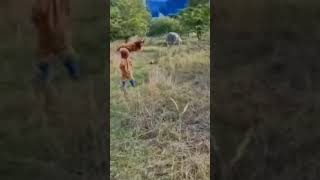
{"x": 128, "y": 18}
{"x": 194, "y": 3}
{"x": 196, "y": 19}
{"x": 164, "y": 25}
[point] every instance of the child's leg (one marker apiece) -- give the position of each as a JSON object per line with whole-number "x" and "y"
{"x": 133, "y": 82}
{"x": 73, "y": 69}
{"x": 123, "y": 86}
{"x": 43, "y": 71}
{"x": 42, "y": 67}
{"x": 71, "y": 65}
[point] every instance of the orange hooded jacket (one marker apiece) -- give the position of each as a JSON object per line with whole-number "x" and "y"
{"x": 126, "y": 67}
{"x": 51, "y": 20}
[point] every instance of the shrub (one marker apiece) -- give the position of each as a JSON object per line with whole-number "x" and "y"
{"x": 128, "y": 18}
{"x": 196, "y": 19}
{"x": 164, "y": 25}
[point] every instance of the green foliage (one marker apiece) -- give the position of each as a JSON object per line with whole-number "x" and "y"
{"x": 164, "y": 25}
{"x": 128, "y": 18}
{"x": 193, "y": 3}
{"x": 196, "y": 19}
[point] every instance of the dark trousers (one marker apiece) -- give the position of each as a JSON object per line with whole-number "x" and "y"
{"x": 69, "y": 62}
{"x": 124, "y": 84}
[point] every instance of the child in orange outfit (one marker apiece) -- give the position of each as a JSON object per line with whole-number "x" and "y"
{"x": 126, "y": 69}
{"x": 51, "y": 19}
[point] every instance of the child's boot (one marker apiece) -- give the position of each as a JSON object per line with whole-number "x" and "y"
{"x": 72, "y": 68}
{"x": 133, "y": 83}
{"x": 43, "y": 71}
{"x": 123, "y": 86}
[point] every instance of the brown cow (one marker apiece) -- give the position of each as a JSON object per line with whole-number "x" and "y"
{"x": 133, "y": 46}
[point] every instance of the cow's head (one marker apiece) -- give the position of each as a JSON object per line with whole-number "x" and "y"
{"x": 140, "y": 43}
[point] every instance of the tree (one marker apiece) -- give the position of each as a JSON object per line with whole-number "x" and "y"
{"x": 196, "y": 19}
{"x": 194, "y": 3}
{"x": 164, "y": 25}
{"x": 128, "y": 18}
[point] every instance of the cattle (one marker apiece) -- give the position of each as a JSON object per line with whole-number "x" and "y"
{"x": 133, "y": 46}
{"x": 173, "y": 39}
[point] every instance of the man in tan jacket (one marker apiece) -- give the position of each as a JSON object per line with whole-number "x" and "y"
{"x": 51, "y": 20}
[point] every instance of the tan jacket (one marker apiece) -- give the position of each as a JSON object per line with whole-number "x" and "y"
{"x": 51, "y": 20}
{"x": 126, "y": 69}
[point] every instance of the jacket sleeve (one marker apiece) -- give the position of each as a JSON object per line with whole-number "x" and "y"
{"x": 68, "y": 7}
{"x": 36, "y": 12}
{"x": 123, "y": 67}
{"x": 131, "y": 64}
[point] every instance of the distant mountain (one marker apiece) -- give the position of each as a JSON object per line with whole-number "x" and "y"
{"x": 165, "y": 7}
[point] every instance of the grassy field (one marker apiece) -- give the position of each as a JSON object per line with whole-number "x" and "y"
{"x": 161, "y": 131}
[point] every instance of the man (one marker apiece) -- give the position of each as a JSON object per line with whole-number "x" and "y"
{"x": 51, "y": 20}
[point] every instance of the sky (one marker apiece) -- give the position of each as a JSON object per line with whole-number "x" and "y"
{"x": 165, "y": 7}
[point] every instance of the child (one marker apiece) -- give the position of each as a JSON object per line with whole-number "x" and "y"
{"x": 126, "y": 69}
{"x": 51, "y": 20}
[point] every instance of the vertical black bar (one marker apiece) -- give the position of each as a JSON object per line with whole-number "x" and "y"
{"x": 213, "y": 160}
{"x": 216, "y": 163}
{"x": 107, "y": 81}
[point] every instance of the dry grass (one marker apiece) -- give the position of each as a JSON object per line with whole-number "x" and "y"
{"x": 162, "y": 130}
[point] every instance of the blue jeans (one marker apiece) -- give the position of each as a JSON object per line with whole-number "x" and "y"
{"x": 72, "y": 68}
{"x": 124, "y": 84}
{"x": 43, "y": 71}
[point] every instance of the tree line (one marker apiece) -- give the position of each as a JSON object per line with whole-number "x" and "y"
{"x": 130, "y": 17}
